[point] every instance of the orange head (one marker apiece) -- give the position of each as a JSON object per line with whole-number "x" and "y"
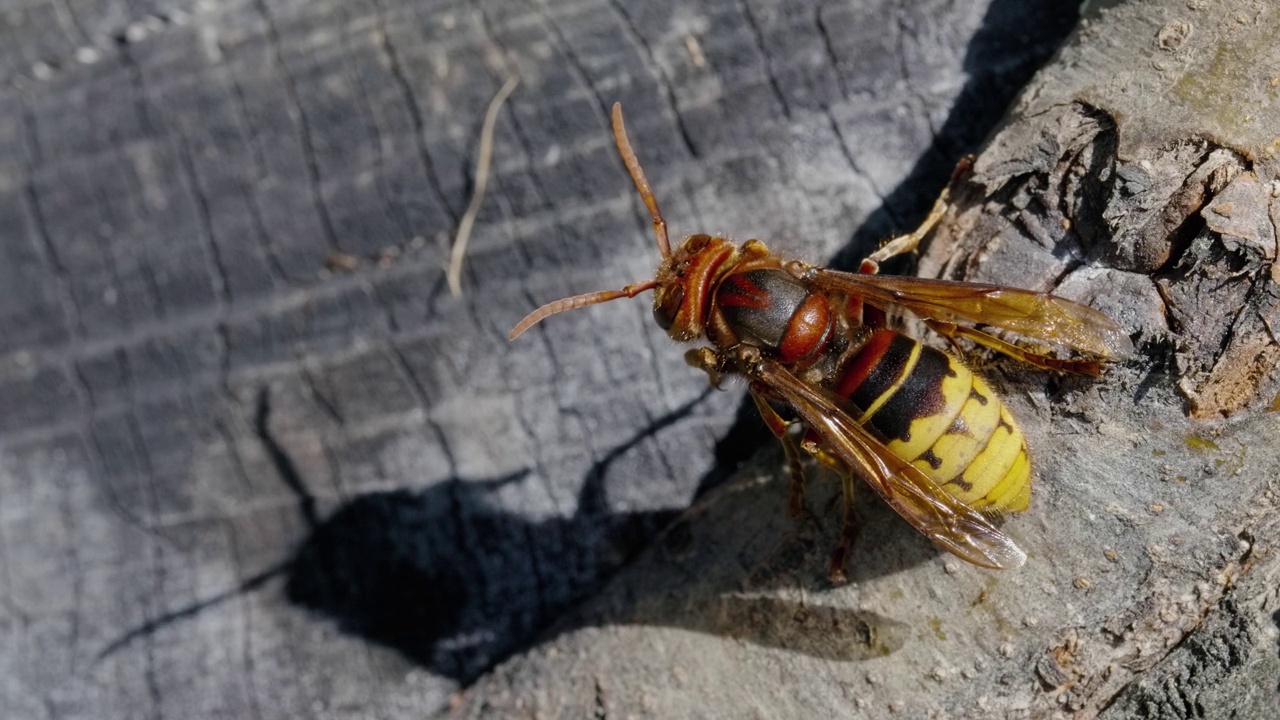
{"x": 684, "y": 281}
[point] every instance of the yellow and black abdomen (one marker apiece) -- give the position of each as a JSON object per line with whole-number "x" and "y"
{"x": 933, "y": 411}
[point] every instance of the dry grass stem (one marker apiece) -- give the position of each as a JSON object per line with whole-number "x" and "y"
{"x": 483, "y": 160}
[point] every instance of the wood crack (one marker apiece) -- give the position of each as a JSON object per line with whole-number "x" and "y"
{"x": 32, "y": 160}
{"x": 757, "y": 35}
{"x": 410, "y": 100}
{"x": 664, "y": 81}
{"x": 220, "y": 273}
{"x": 314, "y": 182}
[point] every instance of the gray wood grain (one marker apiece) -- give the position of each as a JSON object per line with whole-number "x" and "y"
{"x": 1130, "y": 174}
{"x": 236, "y": 483}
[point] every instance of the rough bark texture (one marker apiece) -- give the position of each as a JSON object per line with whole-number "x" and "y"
{"x": 238, "y": 479}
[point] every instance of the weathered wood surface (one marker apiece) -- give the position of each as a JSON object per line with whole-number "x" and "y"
{"x": 1137, "y": 172}
{"x": 234, "y": 482}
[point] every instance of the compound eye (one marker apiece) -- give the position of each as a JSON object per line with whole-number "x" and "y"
{"x": 666, "y": 305}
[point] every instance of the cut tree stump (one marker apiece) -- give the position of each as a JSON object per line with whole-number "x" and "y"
{"x": 256, "y": 462}
{"x": 1136, "y": 173}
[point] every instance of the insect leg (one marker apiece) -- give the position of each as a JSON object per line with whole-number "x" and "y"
{"x": 908, "y": 243}
{"x": 874, "y": 317}
{"x": 706, "y": 360}
{"x": 779, "y": 427}
{"x": 849, "y": 526}
{"x": 871, "y": 316}
{"x": 1080, "y": 366}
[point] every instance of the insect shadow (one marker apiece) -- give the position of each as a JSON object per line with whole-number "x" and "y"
{"x": 456, "y": 583}
{"x": 453, "y": 581}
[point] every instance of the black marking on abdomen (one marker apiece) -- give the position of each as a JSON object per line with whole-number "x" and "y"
{"x": 887, "y": 370}
{"x": 920, "y": 395}
{"x": 934, "y": 461}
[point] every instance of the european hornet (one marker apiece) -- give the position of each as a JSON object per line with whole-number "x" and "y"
{"x": 928, "y": 435}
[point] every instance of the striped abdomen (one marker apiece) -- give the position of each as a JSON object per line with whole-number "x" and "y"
{"x": 935, "y": 412}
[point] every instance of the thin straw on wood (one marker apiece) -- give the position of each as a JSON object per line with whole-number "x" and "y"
{"x": 483, "y": 160}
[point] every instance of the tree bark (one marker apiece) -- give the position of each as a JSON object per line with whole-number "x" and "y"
{"x": 256, "y": 462}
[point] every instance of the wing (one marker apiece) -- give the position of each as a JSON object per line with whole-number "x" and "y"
{"x": 951, "y": 524}
{"x": 1026, "y": 312}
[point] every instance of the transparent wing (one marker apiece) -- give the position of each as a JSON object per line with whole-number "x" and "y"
{"x": 1026, "y": 312}
{"x": 951, "y": 524}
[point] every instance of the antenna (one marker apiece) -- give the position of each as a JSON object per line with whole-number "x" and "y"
{"x": 659, "y": 230}
{"x": 642, "y": 183}
{"x": 575, "y": 302}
